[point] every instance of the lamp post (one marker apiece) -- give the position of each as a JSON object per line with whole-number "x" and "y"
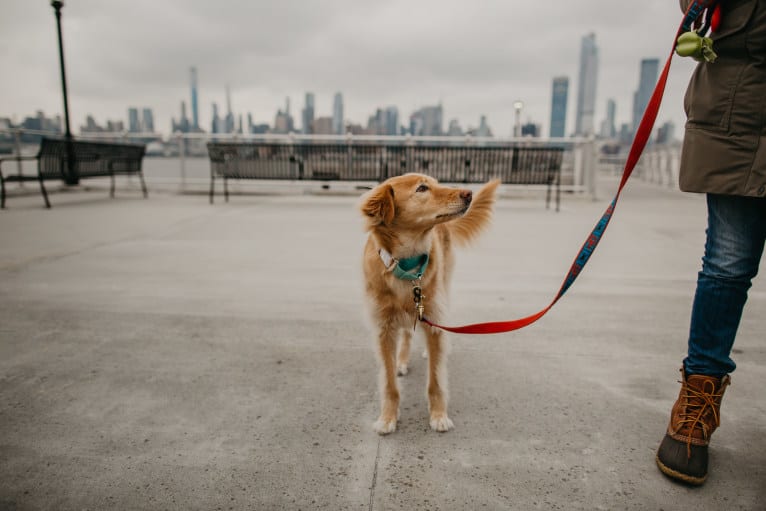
{"x": 71, "y": 177}
{"x": 517, "y": 106}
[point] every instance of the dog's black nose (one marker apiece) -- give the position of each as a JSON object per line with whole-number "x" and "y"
{"x": 466, "y": 195}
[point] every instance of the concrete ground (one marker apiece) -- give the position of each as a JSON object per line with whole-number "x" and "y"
{"x": 170, "y": 354}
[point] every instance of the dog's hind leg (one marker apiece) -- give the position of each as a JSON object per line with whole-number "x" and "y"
{"x": 389, "y": 392}
{"x": 437, "y": 380}
{"x": 403, "y": 352}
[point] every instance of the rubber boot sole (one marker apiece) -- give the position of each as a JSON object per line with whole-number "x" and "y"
{"x": 678, "y": 476}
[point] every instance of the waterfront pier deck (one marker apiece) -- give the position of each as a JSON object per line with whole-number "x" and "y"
{"x": 168, "y": 354}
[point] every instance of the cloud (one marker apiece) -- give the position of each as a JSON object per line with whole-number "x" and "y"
{"x": 474, "y": 57}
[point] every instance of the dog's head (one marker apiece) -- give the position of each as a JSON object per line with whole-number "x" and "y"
{"x": 413, "y": 202}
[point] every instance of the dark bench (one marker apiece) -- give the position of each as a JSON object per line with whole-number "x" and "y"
{"x": 364, "y": 160}
{"x": 88, "y": 159}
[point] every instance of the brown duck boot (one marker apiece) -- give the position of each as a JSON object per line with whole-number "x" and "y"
{"x": 695, "y": 416}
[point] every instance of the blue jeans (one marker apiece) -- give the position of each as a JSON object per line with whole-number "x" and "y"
{"x": 735, "y": 238}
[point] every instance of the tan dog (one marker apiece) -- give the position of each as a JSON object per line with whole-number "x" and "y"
{"x": 408, "y": 218}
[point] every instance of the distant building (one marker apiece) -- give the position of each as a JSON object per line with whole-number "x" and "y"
{"x": 147, "y": 120}
{"x": 91, "y": 127}
{"x": 454, "y": 129}
{"x": 183, "y": 125}
{"x": 338, "y": 126}
{"x": 282, "y": 122}
{"x": 322, "y": 126}
{"x": 626, "y": 134}
{"x": 646, "y": 82}
{"x": 427, "y": 121}
{"x": 559, "y": 99}
{"x": 666, "y": 133}
{"x": 608, "y": 128}
{"x": 355, "y": 129}
{"x": 483, "y": 130}
{"x": 38, "y": 122}
{"x": 42, "y": 123}
{"x": 308, "y": 114}
{"x": 134, "y": 124}
{"x": 390, "y": 121}
{"x": 115, "y": 126}
{"x": 530, "y": 129}
{"x": 586, "y": 86}
{"x": 216, "y": 125}
{"x": 229, "y": 119}
{"x": 194, "y": 106}
{"x": 375, "y": 123}
{"x": 385, "y": 121}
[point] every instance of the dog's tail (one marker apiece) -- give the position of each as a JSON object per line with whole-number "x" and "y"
{"x": 466, "y": 228}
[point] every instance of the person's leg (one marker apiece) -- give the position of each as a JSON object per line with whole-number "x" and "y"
{"x": 735, "y": 240}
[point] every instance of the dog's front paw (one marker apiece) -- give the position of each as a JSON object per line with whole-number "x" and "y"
{"x": 441, "y": 423}
{"x": 384, "y": 426}
{"x": 402, "y": 370}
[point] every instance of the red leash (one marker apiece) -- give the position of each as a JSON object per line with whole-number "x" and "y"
{"x": 639, "y": 142}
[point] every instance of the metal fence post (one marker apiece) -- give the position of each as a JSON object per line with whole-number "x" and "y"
{"x": 182, "y": 158}
{"x": 409, "y": 150}
{"x": 17, "y": 143}
{"x": 589, "y": 166}
{"x": 349, "y": 153}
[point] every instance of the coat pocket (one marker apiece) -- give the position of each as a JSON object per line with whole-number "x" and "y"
{"x": 710, "y": 96}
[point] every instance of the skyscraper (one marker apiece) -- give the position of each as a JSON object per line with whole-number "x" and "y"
{"x": 608, "y": 128}
{"x": 308, "y": 113}
{"x": 215, "y": 124}
{"x": 229, "y": 119}
{"x": 427, "y": 121}
{"x": 586, "y": 86}
{"x": 183, "y": 123}
{"x": 195, "y": 111}
{"x": 646, "y": 81}
{"x": 559, "y": 98}
{"x": 337, "y": 114}
{"x": 391, "y": 121}
{"x": 134, "y": 125}
{"x": 147, "y": 120}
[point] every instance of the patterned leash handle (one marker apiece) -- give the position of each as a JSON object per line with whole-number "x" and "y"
{"x": 643, "y": 133}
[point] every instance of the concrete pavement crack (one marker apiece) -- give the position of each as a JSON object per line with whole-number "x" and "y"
{"x": 374, "y": 475}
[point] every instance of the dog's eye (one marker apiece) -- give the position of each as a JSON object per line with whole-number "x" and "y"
{"x": 422, "y": 188}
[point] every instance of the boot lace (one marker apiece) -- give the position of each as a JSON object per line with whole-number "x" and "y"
{"x": 699, "y": 405}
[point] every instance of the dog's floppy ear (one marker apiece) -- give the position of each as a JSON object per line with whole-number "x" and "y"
{"x": 378, "y": 205}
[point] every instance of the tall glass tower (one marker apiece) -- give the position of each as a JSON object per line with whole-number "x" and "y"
{"x": 608, "y": 127}
{"x": 337, "y": 114}
{"x": 559, "y": 98}
{"x": 147, "y": 120}
{"x": 650, "y": 69}
{"x": 308, "y": 113}
{"x": 586, "y": 87}
{"x": 195, "y": 110}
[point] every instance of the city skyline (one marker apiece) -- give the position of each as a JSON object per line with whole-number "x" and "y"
{"x": 474, "y": 61}
{"x": 426, "y": 121}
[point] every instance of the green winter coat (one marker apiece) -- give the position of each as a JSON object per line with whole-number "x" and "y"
{"x": 724, "y": 148}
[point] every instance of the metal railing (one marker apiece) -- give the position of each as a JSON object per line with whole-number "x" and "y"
{"x": 430, "y": 155}
{"x": 659, "y": 164}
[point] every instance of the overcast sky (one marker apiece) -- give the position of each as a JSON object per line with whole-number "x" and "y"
{"x": 475, "y": 57}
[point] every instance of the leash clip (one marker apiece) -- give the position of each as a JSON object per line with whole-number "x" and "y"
{"x": 419, "y": 298}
